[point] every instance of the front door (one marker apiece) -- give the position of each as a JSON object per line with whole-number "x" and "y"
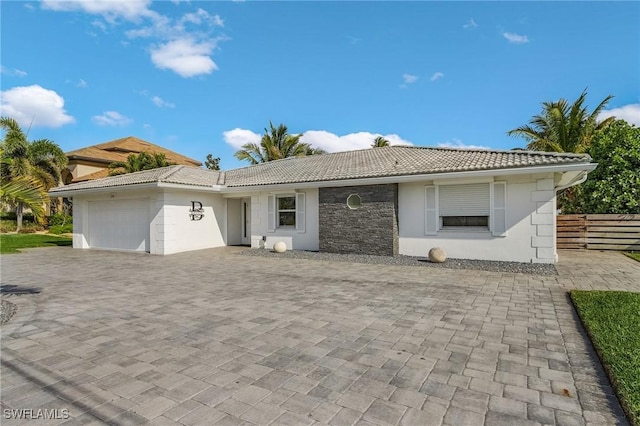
{"x": 246, "y": 221}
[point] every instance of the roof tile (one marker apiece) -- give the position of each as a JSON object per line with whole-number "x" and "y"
{"x": 366, "y": 163}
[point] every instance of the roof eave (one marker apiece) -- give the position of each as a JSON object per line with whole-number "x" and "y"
{"x": 91, "y": 159}
{"x": 555, "y": 168}
{"x": 61, "y": 191}
{"x": 200, "y": 188}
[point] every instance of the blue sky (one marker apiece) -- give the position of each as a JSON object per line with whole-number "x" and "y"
{"x": 203, "y": 77}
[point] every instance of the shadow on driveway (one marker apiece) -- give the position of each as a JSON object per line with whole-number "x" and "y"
{"x": 17, "y": 290}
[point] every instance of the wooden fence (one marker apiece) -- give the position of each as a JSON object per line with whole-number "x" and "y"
{"x": 599, "y": 231}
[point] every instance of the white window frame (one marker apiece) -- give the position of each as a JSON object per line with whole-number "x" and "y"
{"x": 496, "y": 218}
{"x": 279, "y": 210}
{"x": 273, "y": 212}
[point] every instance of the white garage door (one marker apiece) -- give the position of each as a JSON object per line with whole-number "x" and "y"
{"x": 119, "y": 224}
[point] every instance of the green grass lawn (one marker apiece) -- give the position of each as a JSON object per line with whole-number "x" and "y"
{"x": 11, "y": 243}
{"x": 612, "y": 319}
{"x": 634, "y": 255}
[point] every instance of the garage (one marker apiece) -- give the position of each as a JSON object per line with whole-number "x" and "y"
{"x": 119, "y": 224}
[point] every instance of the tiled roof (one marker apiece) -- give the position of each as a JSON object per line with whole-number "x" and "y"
{"x": 390, "y": 161}
{"x": 366, "y": 163}
{"x": 182, "y": 175}
{"x": 120, "y": 149}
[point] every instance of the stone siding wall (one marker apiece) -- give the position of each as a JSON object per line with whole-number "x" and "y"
{"x": 370, "y": 229}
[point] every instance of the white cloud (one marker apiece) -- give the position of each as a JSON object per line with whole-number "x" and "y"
{"x": 12, "y": 71}
{"x": 409, "y": 79}
{"x": 318, "y": 139}
{"x": 82, "y": 84}
{"x": 111, "y": 118}
{"x": 100, "y": 24}
{"x": 110, "y": 10}
{"x": 161, "y": 103}
{"x": 457, "y": 143}
{"x": 202, "y": 16}
{"x": 333, "y": 143}
{"x": 629, "y": 113}
{"x": 238, "y": 137}
{"x": 35, "y": 106}
{"x": 182, "y": 44}
{"x": 470, "y": 25}
{"x": 186, "y": 57}
{"x": 516, "y": 38}
{"x": 436, "y": 76}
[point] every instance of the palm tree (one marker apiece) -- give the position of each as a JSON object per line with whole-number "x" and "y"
{"x": 39, "y": 162}
{"x": 276, "y": 143}
{"x": 379, "y": 142}
{"x": 563, "y": 127}
{"x": 27, "y": 192}
{"x": 137, "y": 163}
{"x": 314, "y": 151}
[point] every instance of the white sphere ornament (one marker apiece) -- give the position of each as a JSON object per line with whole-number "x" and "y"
{"x": 437, "y": 255}
{"x": 280, "y": 247}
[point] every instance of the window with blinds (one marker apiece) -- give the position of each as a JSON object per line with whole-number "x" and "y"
{"x": 479, "y": 206}
{"x": 464, "y": 205}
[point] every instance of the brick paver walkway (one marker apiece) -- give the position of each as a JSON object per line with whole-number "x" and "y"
{"x": 213, "y": 337}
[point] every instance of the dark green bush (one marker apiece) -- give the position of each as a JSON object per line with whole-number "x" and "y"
{"x": 26, "y": 217}
{"x": 61, "y": 229}
{"x": 59, "y": 219}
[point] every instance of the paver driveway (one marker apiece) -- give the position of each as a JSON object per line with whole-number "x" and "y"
{"x": 214, "y": 337}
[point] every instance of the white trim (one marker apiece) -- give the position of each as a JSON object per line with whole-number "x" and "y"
{"x": 71, "y": 192}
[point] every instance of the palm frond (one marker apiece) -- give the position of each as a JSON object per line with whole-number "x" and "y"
{"x": 26, "y": 191}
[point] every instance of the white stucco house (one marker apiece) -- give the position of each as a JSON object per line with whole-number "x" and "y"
{"x": 476, "y": 204}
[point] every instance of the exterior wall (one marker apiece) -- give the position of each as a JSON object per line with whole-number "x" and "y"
{"x": 174, "y": 230}
{"x": 370, "y": 229}
{"x": 78, "y": 170}
{"x": 295, "y": 240}
{"x": 530, "y": 224}
{"x": 171, "y": 229}
{"x": 390, "y": 221}
{"x": 81, "y": 217}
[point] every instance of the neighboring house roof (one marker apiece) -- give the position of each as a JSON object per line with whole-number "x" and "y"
{"x": 367, "y": 163}
{"x": 181, "y": 175}
{"x": 120, "y": 149}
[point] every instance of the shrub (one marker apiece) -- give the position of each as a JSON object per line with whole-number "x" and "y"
{"x": 59, "y": 219}
{"x": 7, "y": 225}
{"x": 27, "y": 217}
{"x": 61, "y": 229}
{"x": 27, "y": 231}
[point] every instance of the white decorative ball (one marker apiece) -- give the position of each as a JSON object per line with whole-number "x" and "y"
{"x": 280, "y": 247}
{"x": 437, "y": 255}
